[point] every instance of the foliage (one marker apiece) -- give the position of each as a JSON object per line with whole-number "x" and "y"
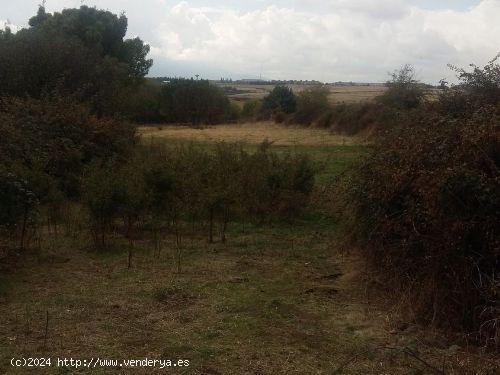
{"x": 311, "y": 104}
{"x": 175, "y": 185}
{"x": 58, "y": 135}
{"x": 78, "y": 51}
{"x": 356, "y": 117}
{"x": 45, "y": 146}
{"x": 280, "y": 100}
{"x": 16, "y": 197}
{"x": 61, "y": 80}
{"x": 142, "y": 104}
{"x": 475, "y": 89}
{"x": 404, "y": 90}
{"x": 193, "y": 101}
{"x": 425, "y": 206}
{"x": 100, "y": 31}
{"x": 251, "y": 110}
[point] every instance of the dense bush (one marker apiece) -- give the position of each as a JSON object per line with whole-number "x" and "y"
{"x": 311, "y": 107}
{"x": 475, "y": 89}
{"x": 17, "y": 202}
{"x": 58, "y": 135}
{"x": 172, "y": 186}
{"x": 426, "y": 208}
{"x": 404, "y": 90}
{"x": 141, "y": 103}
{"x": 312, "y": 103}
{"x": 194, "y": 101}
{"x": 44, "y": 148}
{"x": 102, "y": 196}
{"x": 280, "y": 101}
{"x": 356, "y": 117}
{"x": 251, "y": 110}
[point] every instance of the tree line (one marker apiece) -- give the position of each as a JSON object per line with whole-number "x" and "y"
{"x": 169, "y": 189}
{"x": 313, "y": 107}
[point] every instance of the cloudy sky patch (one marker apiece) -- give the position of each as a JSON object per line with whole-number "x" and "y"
{"x": 328, "y": 40}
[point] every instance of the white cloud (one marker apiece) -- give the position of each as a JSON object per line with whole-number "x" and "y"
{"x": 381, "y": 9}
{"x": 352, "y": 40}
{"x": 315, "y": 39}
{"x": 7, "y": 24}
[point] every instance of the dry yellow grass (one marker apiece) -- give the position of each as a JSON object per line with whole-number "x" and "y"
{"x": 355, "y": 94}
{"x": 253, "y": 133}
{"x": 338, "y": 94}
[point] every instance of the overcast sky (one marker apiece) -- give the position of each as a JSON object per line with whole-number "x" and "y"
{"x": 327, "y": 40}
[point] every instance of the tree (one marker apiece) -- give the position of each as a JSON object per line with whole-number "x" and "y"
{"x": 76, "y": 51}
{"x": 103, "y": 197}
{"x": 40, "y": 17}
{"x": 311, "y": 104}
{"x": 280, "y": 99}
{"x": 193, "y": 101}
{"x": 101, "y": 31}
{"x": 476, "y": 88}
{"x": 251, "y": 109}
{"x": 404, "y": 90}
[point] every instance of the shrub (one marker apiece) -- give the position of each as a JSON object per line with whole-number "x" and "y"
{"x": 475, "y": 89}
{"x": 312, "y": 103}
{"x": 173, "y": 186}
{"x": 59, "y": 136}
{"x": 142, "y": 103}
{"x": 233, "y": 113}
{"x": 193, "y": 101}
{"x": 17, "y": 200}
{"x": 425, "y": 205}
{"x": 275, "y": 187}
{"x": 103, "y": 196}
{"x": 251, "y": 110}
{"x": 280, "y": 99}
{"x": 404, "y": 90}
{"x": 356, "y": 117}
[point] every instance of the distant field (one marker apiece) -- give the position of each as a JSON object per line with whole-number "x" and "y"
{"x": 333, "y": 153}
{"x": 279, "y": 135}
{"x": 355, "y": 94}
{"x": 339, "y": 94}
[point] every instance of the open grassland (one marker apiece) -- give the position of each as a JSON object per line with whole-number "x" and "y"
{"x": 355, "y": 94}
{"x": 332, "y": 153}
{"x": 282, "y": 298}
{"x": 252, "y": 133}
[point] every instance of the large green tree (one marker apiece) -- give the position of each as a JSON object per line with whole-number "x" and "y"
{"x": 100, "y": 31}
{"x": 77, "y": 50}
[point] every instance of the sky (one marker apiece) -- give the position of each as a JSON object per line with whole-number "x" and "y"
{"x": 325, "y": 40}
